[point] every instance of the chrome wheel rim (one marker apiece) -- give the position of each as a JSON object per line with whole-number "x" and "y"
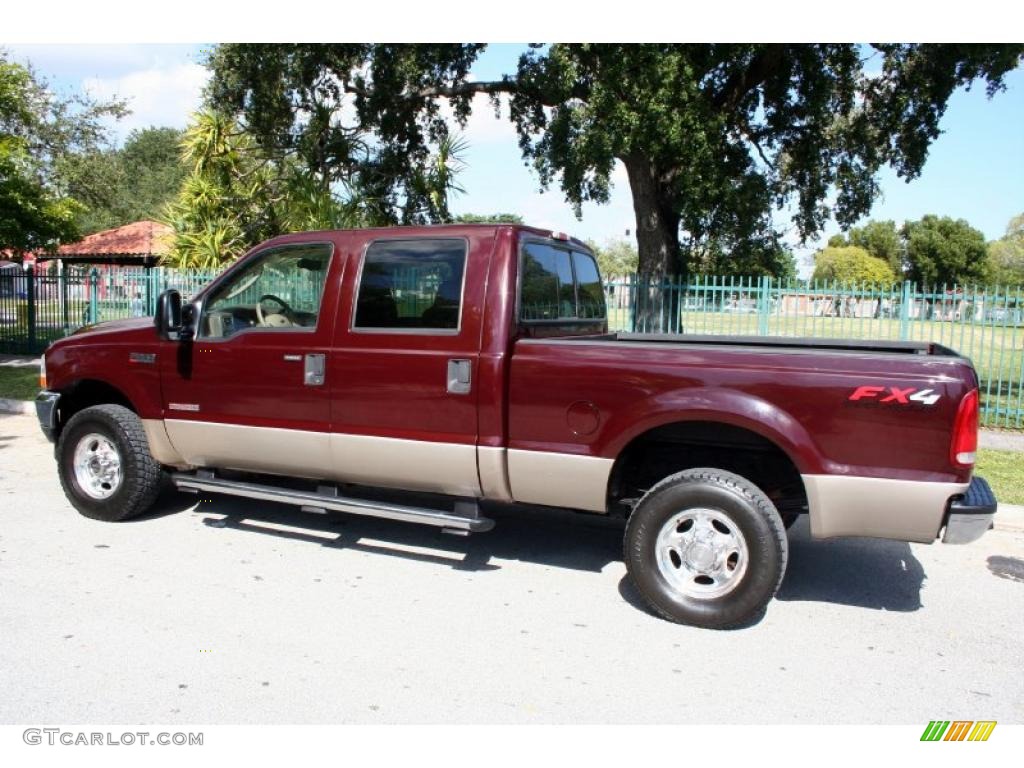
{"x": 97, "y": 466}
{"x": 701, "y": 553}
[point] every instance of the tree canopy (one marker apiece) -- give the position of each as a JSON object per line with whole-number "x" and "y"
{"x": 853, "y": 265}
{"x": 715, "y": 138}
{"x": 238, "y": 193}
{"x": 130, "y": 183}
{"x": 879, "y": 238}
{"x": 942, "y": 250}
{"x": 1006, "y": 255}
{"x": 616, "y": 258}
{"x": 39, "y": 130}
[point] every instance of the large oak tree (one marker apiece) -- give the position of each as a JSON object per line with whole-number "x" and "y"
{"x": 715, "y": 138}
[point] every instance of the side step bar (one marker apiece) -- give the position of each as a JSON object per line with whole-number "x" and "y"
{"x": 464, "y": 520}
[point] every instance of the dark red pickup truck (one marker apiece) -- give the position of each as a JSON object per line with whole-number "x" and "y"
{"x": 473, "y": 364}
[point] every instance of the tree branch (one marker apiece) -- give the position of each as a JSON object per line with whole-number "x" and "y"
{"x": 739, "y": 84}
{"x": 447, "y": 91}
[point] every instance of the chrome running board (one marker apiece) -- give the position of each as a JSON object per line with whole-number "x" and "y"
{"x": 463, "y": 520}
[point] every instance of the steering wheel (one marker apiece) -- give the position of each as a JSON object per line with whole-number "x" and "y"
{"x": 278, "y": 319}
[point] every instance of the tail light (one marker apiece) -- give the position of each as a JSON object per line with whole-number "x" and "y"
{"x": 965, "y": 432}
{"x": 42, "y": 372}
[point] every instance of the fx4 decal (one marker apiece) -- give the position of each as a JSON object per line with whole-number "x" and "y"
{"x": 895, "y": 395}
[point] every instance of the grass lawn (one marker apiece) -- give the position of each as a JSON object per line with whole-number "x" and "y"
{"x": 1004, "y": 471}
{"x": 19, "y": 382}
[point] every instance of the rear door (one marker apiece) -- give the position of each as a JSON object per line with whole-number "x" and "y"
{"x": 403, "y": 373}
{"x": 250, "y": 391}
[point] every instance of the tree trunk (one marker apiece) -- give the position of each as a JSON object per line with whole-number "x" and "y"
{"x": 656, "y": 305}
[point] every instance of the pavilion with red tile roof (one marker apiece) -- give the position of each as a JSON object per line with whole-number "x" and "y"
{"x": 141, "y": 243}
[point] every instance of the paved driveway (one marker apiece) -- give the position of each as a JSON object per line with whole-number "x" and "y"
{"x": 232, "y": 611}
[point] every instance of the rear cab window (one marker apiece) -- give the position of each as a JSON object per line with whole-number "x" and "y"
{"x": 560, "y": 285}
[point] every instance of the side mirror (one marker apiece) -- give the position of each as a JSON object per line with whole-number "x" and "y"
{"x": 168, "y": 315}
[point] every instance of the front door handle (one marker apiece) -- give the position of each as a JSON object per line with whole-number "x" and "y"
{"x": 460, "y": 376}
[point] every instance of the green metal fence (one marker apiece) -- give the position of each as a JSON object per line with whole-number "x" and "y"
{"x": 985, "y": 324}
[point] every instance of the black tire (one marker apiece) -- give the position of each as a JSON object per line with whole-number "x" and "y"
{"x": 735, "y": 502}
{"x": 141, "y": 477}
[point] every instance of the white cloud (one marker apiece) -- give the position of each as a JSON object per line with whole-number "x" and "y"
{"x": 158, "y": 96}
{"x": 483, "y": 127}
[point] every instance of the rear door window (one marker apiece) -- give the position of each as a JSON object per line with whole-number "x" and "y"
{"x": 411, "y": 285}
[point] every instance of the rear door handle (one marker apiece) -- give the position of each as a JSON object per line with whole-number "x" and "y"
{"x": 460, "y": 376}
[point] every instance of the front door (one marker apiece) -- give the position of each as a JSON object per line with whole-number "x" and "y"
{"x": 251, "y": 391}
{"x": 404, "y": 370}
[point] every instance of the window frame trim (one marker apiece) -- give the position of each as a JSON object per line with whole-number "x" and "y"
{"x": 457, "y": 330}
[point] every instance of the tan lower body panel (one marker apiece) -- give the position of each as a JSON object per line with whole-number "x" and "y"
{"x": 493, "y": 466}
{"x": 160, "y": 444}
{"x": 559, "y": 479}
{"x": 907, "y": 510}
{"x": 447, "y": 468}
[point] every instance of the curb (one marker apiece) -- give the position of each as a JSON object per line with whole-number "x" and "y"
{"x": 16, "y": 406}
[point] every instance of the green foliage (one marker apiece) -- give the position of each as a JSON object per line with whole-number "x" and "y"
{"x": 238, "y": 193}
{"x": 879, "y": 238}
{"x": 757, "y": 257}
{"x": 320, "y": 106}
{"x": 39, "y": 130}
{"x": 616, "y": 258}
{"x": 1006, "y": 255}
{"x": 942, "y": 250}
{"x": 135, "y": 182}
{"x": 714, "y": 137}
{"x": 483, "y": 218}
{"x": 852, "y": 265}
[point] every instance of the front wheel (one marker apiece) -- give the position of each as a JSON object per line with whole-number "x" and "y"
{"x": 706, "y": 547}
{"x": 105, "y": 466}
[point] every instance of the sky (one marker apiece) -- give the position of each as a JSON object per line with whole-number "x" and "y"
{"x": 975, "y": 169}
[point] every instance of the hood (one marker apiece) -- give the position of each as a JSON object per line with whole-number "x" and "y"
{"x": 114, "y": 326}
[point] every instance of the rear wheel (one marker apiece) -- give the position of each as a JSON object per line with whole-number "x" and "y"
{"x": 105, "y": 466}
{"x": 706, "y": 547}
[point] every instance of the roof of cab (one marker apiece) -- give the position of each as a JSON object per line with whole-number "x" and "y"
{"x": 420, "y": 230}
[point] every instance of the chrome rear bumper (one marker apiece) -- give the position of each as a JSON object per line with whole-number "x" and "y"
{"x": 969, "y": 516}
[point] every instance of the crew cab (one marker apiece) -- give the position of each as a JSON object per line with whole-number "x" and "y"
{"x": 470, "y": 366}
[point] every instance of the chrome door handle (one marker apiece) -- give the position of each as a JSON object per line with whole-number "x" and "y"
{"x": 460, "y": 376}
{"x": 315, "y": 370}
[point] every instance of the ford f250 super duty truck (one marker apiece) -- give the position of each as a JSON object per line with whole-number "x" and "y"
{"x": 472, "y": 364}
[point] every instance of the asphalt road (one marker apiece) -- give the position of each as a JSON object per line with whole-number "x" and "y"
{"x": 229, "y": 611}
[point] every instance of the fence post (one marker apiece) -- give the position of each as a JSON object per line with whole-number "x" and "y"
{"x": 65, "y": 295}
{"x": 634, "y": 281}
{"x": 30, "y": 314}
{"x": 764, "y": 290}
{"x": 94, "y": 295}
{"x": 905, "y": 311}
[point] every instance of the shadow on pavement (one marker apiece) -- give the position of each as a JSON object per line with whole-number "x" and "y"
{"x": 864, "y": 573}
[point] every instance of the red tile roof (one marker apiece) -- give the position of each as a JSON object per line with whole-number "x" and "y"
{"x": 140, "y": 238}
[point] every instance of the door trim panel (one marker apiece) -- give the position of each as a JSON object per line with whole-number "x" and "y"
{"x": 447, "y": 468}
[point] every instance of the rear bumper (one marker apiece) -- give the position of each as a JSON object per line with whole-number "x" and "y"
{"x": 969, "y": 516}
{"x": 46, "y": 410}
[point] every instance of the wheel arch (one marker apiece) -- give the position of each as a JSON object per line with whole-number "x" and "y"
{"x": 85, "y": 393}
{"x": 728, "y": 430}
